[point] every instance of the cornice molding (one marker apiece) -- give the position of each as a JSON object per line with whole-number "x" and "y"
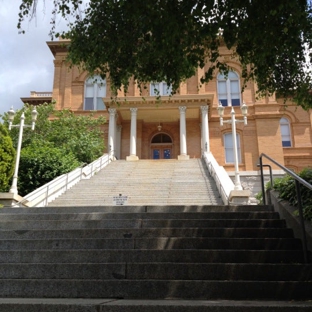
{"x": 175, "y": 100}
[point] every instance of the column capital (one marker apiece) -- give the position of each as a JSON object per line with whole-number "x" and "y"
{"x": 112, "y": 111}
{"x": 133, "y": 110}
{"x": 204, "y": 108}
{"x": 182, "y": 109}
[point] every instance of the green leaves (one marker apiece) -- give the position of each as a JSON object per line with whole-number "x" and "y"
{"x": 7, "y": 157}
{"x": 40, "y": 164}
{"x": 168, "y": 39}
{"x": 60, "y": 142}
{"x": 287, "y": 191}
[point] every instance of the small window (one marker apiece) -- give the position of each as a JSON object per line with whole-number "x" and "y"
{"x": 285, "y": 132}
{"x": 160, "y": 88}
{"x": 95, "y": 90}
{"x": 228, "y": 148}
{"x": 229, "y": 89}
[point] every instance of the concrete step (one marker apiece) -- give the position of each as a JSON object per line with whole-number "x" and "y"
{"x": 148, "y": 233}
{"x": 132, "y": 255}
{"x": 142, "y": 215}
{"x": 121, "y": 305}
{"x": 154, "y": 243}
{"x": 109, "y": 201}
{"x": 156, "y": 289}
{"x": 157, "y": 271}
{"x": 139, "y": 208}
{"x": 140, "y": 223}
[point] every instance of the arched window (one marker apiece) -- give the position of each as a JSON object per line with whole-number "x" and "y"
{"x": 161, "y": 138}
{"x": 285, "y": 132}
{"x": 95, "y": 90}
{"x": 229, "y": 89}
{"x": 228, "y": 148}
{"x": 160, "y": 88}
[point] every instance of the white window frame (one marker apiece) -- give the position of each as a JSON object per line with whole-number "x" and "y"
{"x": 229, "y": 94}
{"x": 228, "y": 149}
{"x": 98, "y": 86}
{"x": 162, "y": 88}
{"x": 285, "y": 132}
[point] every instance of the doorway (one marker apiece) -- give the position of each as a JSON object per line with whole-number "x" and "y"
{"x": 161, "y": 146}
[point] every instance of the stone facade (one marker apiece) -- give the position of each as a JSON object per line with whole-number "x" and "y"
{"x": 261, "y": 135}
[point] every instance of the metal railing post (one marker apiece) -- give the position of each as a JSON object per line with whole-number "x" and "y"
{"x": 262, "y": 180}
{"x": 47, "y": 195}
{"x": 66, "y": 186}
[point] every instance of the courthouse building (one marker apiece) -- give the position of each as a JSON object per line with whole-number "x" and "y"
{"x": 186, "y": 124}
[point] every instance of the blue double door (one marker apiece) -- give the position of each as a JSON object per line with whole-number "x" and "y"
{"x": 161, "y": 153}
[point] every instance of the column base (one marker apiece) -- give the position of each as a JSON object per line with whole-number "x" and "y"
{"x": 239, "y": 197}
{"x": 183, "y": 157}
{"x": 132, "y": 158}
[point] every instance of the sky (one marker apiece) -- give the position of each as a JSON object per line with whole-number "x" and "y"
{"x": 26, "y": 62}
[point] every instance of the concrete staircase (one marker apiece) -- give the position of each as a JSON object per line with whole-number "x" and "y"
{"x": 189, "y": 257}
{"x": 146, "y": 182}
{"x": 180, "y": 258}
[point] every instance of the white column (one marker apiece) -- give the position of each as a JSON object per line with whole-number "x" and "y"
{"x": 205, "y": 129}
{"x": 118, "y": 141}
{"x": 111, "y": 131}
{"x": 183, "y": 149}
{"x": 133, "y": 155}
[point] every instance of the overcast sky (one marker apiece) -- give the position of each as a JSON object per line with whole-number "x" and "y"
{"x": 26, "y": 61}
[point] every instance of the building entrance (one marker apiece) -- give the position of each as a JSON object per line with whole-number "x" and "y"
{"x": 161, "y": 146}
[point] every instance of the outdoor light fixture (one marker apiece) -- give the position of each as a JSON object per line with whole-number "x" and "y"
{"x": 159, "y": 127}
{"x": 221, "y": 113}
{"x": 21, "y": 126}
{"x": 11, "y": 114}
{"x": 233, "y": 121}
{"x": 34, "y": 115}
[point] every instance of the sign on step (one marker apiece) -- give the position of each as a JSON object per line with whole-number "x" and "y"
{"x": 120, "y": 200}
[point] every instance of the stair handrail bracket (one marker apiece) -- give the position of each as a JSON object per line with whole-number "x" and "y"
{"x": 298, "y": 181}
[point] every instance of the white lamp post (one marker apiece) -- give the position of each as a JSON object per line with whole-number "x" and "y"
{"x": 233, "y": 121}
{"x": 21, "y": 126}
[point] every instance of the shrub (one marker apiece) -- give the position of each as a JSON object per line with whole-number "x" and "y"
{"x": 40, "y": 165}
{"x": 287, "y": 190}
{"x": 7, "y": 156}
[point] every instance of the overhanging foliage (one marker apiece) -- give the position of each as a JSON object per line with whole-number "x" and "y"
{"x": 168, "y": 39}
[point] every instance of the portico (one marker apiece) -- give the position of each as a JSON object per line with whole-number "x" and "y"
{"x": 175, "y": 127}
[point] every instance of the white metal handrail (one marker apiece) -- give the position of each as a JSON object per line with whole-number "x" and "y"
{"x": 45, "y": 194}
